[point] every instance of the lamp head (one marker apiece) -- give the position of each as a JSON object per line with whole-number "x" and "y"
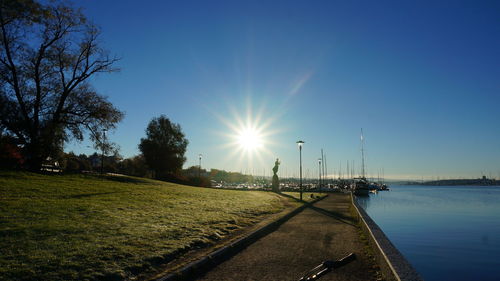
{"x": 300, "y": 143}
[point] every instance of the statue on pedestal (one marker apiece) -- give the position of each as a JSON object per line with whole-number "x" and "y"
{"x": 276, "y": 181}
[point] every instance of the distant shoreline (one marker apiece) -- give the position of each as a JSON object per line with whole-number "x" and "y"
{"x": 451, "y": 182}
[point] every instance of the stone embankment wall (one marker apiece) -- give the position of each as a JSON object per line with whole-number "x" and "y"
{"x": 393, "y": 265}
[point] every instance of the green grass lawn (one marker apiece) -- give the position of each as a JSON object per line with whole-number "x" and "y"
{"x": 68, "y": 227}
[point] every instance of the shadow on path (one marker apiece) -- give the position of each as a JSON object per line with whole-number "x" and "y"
{"x": 336, "y": 215}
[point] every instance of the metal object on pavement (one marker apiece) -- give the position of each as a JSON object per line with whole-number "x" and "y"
{"x": 326, "y": 267}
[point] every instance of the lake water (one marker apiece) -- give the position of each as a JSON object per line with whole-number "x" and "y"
{"x": 446, "y": 233}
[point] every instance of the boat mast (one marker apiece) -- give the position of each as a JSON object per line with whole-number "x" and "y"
{"x": 383, "y": 176}
{"x": 326, "y": 169}
{"x": 323, "y": 166}
{"x": 340, "y": 170}
{"x": 353, "y": 169}
{"x": 348, "y": 171}
{"x": 362, "y": 156}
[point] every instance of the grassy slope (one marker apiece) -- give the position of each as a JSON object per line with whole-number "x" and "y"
{"x": 64, "y": 227}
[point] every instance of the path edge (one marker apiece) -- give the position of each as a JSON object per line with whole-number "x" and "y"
{"x": 393, "y": 264}
{"x": 215, "y": 258}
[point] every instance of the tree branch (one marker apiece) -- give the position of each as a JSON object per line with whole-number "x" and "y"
{"x": 13, "y": 69}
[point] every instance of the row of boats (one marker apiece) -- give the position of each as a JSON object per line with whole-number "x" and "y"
{"x": 361, "y": 187}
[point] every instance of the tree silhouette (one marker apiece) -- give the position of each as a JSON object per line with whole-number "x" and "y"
{"x": 164, "y": 147}
{"x": 48, "y": 52}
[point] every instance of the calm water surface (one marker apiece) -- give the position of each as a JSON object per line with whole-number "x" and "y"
{"x": 446, "y": 233}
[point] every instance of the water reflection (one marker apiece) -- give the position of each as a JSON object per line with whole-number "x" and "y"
{"x": 447, "y": 233}
{"x": 363, "y": 201}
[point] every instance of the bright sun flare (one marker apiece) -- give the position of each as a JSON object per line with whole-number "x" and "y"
{"x": 249, "y": 139}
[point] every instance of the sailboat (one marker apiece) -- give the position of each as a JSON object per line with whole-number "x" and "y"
{"x": 360, "y": 185}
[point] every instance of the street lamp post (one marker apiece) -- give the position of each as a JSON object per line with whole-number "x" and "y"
{"x": 300, "y": 144}
{"x": 103, "y": 142}
{"x": 319, "y": 178}
{"x": 199, "y": 167}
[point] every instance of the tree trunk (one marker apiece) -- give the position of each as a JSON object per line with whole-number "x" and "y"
{"x": 34, "y": 157}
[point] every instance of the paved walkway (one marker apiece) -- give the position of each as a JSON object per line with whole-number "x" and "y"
{"x": 324, "y": 231}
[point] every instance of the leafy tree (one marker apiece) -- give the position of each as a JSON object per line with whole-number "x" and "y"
{"x": 73, "y": 163}
{"x": 164, "y": 147}
{"x": 48, "y": 52}
{"x": 196, "y": 176}
{"x": 10, "y": 154}
{"x": 134, "y": 166}
{"x": 231, "y": 177}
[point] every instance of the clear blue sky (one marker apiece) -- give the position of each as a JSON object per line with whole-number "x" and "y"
{"x": 422, "y": 78}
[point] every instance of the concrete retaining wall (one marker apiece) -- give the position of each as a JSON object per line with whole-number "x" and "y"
{"x": 392, "y": 263}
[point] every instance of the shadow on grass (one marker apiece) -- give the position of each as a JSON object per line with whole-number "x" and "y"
{"x": 291, "y": 197}
{"x": 8, "y": 175}
{"x": 336, "y": 215}
{"x": 83, "y": 195}
{"x": 126, "y": 179}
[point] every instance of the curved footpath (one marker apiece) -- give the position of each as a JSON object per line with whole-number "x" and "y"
{"x": 327, "y": 230}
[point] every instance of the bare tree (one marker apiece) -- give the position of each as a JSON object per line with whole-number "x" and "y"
{"x": 48, "y": 52}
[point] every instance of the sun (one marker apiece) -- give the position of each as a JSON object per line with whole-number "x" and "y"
{"x": 249, "y": 139}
